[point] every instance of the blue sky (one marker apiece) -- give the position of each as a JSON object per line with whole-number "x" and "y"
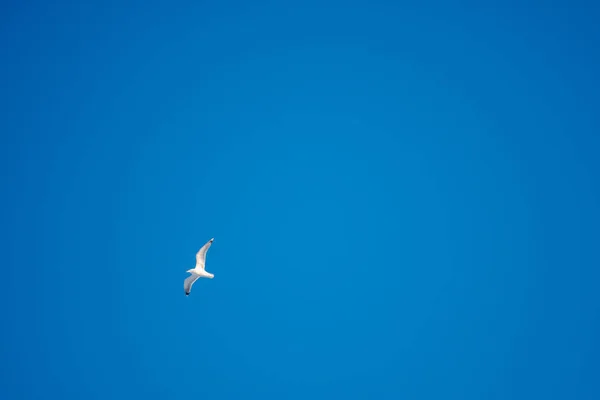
{"x": 404, "y": 200}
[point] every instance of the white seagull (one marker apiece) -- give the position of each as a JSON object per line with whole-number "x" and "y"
{"x": 199, "y": 271}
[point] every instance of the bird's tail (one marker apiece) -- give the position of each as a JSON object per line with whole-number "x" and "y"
{"x": 206, "y": 274}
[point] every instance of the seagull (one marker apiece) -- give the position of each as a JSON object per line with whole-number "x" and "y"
{"x": 199, "y": 271}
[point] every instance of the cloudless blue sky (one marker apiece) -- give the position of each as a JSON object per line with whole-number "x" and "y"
{"x": 405, "y": 200}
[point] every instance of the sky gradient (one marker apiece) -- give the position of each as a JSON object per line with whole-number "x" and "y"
{"x": 404, "y": 199}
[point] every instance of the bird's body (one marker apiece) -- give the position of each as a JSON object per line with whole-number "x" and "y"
{"x": 199, "y": 271}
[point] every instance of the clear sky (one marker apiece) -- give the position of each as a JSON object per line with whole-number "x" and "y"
{"x": 404, "y": 200}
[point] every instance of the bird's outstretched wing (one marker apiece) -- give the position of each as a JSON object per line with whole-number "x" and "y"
{"x": 189, "y": 281}
{"x": 201, "y": 254}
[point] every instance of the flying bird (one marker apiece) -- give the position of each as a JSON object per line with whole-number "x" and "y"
{"x": 199, "y": 271}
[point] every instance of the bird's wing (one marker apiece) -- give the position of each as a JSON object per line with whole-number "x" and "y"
{"x": 201, "y": 254}
{"x": 189, "y": 281}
